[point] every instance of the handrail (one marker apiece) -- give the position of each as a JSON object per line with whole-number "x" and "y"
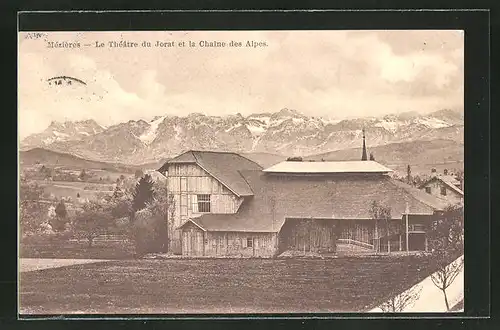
{"x": 416, "y": 227}
{"x": 354, "y": 242}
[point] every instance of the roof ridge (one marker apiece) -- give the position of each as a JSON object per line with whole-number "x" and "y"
{"x": 239, "y": 155}
{"x": 244, "y": 179}
{"x": 214, "y": 151}
{"x": 195, "y": 158}
{"x": 449, "y": 184}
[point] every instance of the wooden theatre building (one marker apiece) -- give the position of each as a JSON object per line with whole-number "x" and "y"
{"x": 226, "y": 205}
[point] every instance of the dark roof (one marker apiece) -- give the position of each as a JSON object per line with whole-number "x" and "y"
{"x": 223, "y": 166}
{"x": 448, "y": 180}
{"x": 347, "y": 197}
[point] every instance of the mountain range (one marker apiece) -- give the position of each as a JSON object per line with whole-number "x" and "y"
{"x": 285, "y": 133}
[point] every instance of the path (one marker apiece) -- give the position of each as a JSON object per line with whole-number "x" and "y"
{"x": 32, "y": 264}
{"x": 431, "y": 299}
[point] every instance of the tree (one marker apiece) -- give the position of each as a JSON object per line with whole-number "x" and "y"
{"x": 459, "y": 175}
{"x": 153, "y": 224}
{"x": 170, "y": 216}
{"x": 118, "y": 193}
{"x": 303, "y": 229}
{"x": 446, "y": 241}
{"x": 417, "y": 180}
{"x": 59, "y": 221}
{"x": 121, "y": 208}
{"x": 143, "y": 193}
{"x": 380, "y": 212}
{"x": 446, "y": 275}
{"x": 61, "y": 210}
{"x": 402, "y": 301}
{"x": 92, "y": 221}
{"x": 32, "y": 211}
{"x": 371, "y": 156}
{"x": 408, "y": 174}
{"x": 138, "y": 173}
{"x": 83, "y": 175}
{"x": 46, "y": 172}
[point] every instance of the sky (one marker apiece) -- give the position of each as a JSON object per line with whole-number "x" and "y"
{"x": 336, "y": 74}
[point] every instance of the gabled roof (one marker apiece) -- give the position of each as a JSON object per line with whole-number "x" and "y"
{"x": 223, "y": 166}
{"x": 348, "y": 197}
{"x": 448, "y": 180}
{"x": 327, "y": 167}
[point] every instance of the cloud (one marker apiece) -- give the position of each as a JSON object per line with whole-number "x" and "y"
{"x": 334, "y": 73}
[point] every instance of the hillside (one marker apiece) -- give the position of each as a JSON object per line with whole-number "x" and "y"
{"x": 53, "y": 158}
{"x": 421, "y": 155}
{"x": 264, "y": 159}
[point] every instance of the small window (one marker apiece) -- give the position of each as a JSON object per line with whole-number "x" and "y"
{"x": 249, "y": 242}
{"x": 203, "y": 203}
{"x": 428, "y": 190}
{"x": 443, "y": 191}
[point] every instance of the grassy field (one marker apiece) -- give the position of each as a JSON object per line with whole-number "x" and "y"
{"x": 71, "y": 189}
{"x": 64, "y": 248}
{"x": 219, "y": 285}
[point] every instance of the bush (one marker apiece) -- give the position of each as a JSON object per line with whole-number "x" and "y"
{"x": 92, "y": 221}
{"x": 59, "y": 221}
{"x": 149, "y": 232}
{"x": 32, "y": 212}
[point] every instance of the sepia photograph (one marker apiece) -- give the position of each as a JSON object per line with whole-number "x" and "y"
{"x": 234, "y": 172}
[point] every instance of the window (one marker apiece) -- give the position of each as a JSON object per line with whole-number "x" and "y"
{"x": 443, "y": 191}
{"x": 203, "y": 203}
{"x": 428, "y": 190}
{"x": 249, "y": 242}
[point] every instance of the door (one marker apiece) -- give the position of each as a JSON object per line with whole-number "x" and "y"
{"x": 192, "y": 242}
{"x": 186, "y": 246}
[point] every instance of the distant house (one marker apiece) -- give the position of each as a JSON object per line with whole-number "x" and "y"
{"x": 227, "y": 205}
{"x": 445, "y": 186}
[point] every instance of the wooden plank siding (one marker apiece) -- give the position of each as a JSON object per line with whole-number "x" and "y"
{"x": 358, "y": 230}
{"x": 235, "y": 244}
{"x": 196, "y": 242}
{"x": 185, "y": 182}
{"x": 192, "y": 241}
{"x": 310, "y": 235}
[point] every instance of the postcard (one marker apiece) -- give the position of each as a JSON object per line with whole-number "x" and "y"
{"x": 223, "y": 172}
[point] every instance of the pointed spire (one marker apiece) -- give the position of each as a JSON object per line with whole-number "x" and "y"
{"x": 364, "y": 156}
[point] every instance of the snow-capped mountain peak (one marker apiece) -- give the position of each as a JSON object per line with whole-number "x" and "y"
{"x": 150, "y": 134}
{"x": 286, "y": 131}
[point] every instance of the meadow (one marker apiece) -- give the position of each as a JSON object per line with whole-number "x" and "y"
{"x": 220, "y": 285}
